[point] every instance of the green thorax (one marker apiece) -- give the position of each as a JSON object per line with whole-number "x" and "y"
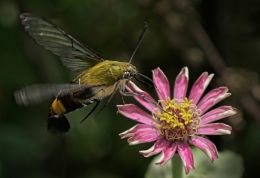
{"x": 106, "y": 72}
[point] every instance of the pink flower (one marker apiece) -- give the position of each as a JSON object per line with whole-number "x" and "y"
{"x": 175, "y": 123}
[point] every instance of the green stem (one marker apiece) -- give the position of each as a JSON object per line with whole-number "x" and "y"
{"x": 177, "y": 167}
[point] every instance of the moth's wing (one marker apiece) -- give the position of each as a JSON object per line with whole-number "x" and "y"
{"x": 41, "y": 92}
{"x": 74, "y": 55}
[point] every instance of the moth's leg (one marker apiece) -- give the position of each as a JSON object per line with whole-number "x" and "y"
{"x": 91, "y": 111}
{"x": 126, "y": 93}
{"x": 123, "y": 100}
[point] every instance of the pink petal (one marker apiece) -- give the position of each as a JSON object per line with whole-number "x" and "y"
{"x": 143, "y": 137}
{"x": 212, "y": 98}
{"x": 142, "y": 97}
{"x": 214, "y": 129}
{"x": 131, "y": 111}
{"x": 217, "y": 114}
{"x": 206, "y": 146}
{"x": 167, "y": 153}
{"x": 137, "y": 128}
{"x": 140, "y": 133}
{"x": 181, "y": 83}
{"x": 159, "y": 145}
{"x": 199, "y": 87}
{"x": 186, "y": 155}
{"x": 161, "y": 84}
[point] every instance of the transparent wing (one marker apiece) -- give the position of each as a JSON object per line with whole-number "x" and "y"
{"x": 73, "y": 54}
{"x": 41, "y": 92}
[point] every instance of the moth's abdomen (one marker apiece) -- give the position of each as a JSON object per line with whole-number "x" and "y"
{"x": 58, "y": 124}
{"x": 57, "y": 121}
{"x": 57, "y": 107}
{"x": 63, "y": 105}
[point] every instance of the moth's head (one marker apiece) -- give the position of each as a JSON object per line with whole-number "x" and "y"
{"x": 129, "y": 72}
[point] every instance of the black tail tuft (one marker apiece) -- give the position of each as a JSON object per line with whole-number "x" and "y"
{"x": 58, "y": 124}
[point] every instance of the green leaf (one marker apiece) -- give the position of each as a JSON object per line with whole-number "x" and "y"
{"x": 157, "y": 171}
{"x": 228, "y": 165}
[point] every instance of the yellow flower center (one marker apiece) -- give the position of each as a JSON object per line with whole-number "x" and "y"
{"x": 177, "y": 119}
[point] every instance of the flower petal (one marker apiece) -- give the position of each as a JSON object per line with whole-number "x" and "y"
{"x": 199, "y": 87}
{"x": 143, "y": 137}
{"x": 142, "y": 97}
{"x": 212, "y": 98}
{"x": 137, "y": 128}
{"x": 158, "y": 146}
{"x": 167, "y": 153}
{"x": 214, "y": 129}
{"x": 140, "y": 133}
{"x": 181, "y": 83}
{"x": 217, "y": 114}
{"x": 206, "y": 146}
{"x": 133, "y": 112}
{"x": 161, "y": 84}
{"x": 186, "y": 155}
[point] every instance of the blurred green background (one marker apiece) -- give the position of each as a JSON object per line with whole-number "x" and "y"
{"x": 219, "y": 36}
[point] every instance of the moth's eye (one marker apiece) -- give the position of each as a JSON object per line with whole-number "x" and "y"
{"x": 127, "y": 74}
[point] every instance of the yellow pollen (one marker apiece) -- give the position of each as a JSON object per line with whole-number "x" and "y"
{"x": 177, "y": 119}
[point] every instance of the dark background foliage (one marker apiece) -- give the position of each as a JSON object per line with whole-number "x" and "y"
{"x": 219, "y": 36}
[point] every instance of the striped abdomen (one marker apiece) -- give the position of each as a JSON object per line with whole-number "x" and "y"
{"x": 57, "y": 121}
{"x": 63, "y": 105}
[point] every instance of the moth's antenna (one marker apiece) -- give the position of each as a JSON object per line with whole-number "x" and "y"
{"x": 141, "y": 36}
